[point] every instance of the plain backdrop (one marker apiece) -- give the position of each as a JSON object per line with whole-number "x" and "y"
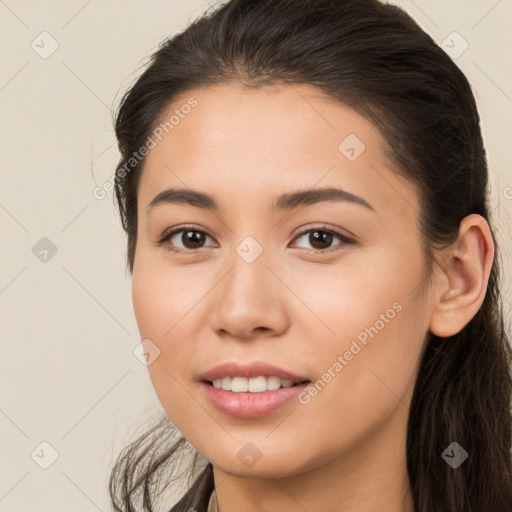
{"x": 73, "y": 392}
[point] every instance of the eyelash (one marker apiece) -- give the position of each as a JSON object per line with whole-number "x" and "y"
{"x": 168, "y": 235}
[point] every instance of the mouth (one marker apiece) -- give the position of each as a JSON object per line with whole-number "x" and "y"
{"x": 248, "y": 400}
{"x": 258, "y": 384}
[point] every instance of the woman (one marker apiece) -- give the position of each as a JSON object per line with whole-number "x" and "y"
{"x": 303, "y": 185}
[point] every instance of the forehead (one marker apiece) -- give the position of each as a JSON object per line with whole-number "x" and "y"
{"x": 237, "y": 139}
{"x": 227, "y": 115}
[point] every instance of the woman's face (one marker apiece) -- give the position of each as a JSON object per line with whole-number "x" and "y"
{"x": 259, "y": 282}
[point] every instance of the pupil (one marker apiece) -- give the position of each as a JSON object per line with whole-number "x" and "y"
{"x": 319, "y": 237}
{"x": 192, "y": 237}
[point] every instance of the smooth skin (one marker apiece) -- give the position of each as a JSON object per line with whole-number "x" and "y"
{"x": 296, "y": 305}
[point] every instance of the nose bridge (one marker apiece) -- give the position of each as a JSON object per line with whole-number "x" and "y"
{"x": 248, "y": 281}
{"x": 248, "y": 298}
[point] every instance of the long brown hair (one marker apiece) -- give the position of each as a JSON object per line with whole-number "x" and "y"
{"x": 377, "y": 60}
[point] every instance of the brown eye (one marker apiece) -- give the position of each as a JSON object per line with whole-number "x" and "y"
{"x": 184, "y": 239}
{"x": 189, "y": 239}
{"x": 192, "y": 239}
{"x": 321, "y": 239}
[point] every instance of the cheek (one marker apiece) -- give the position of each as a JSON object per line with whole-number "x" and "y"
{"x": 344, "y": 298}
{"x": 167, "y": 307}
{"x": 161, "y": 314}
{"x": 163, "y": 296}
{"x": 360, "y": 385}
{"x": 368, "y": 328}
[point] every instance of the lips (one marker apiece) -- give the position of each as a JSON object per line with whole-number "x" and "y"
{"x": 250, "y": 370}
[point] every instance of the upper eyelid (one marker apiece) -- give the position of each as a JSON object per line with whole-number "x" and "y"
{"x": 344, "y": 239}
{"x": 172, "y": 232}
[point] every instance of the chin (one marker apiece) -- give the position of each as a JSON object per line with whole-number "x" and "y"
{"x": 278, "y": 465}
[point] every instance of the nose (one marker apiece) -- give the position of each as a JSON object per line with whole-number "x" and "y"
{"x": 251, "y": 300}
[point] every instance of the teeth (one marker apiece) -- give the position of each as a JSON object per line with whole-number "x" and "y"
{"x": 253, "y": 385}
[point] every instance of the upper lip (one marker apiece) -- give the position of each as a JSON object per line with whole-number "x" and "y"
{"x": 249, "y": 370}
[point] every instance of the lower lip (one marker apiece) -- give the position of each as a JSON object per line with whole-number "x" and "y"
{"x": 251, "y": 405}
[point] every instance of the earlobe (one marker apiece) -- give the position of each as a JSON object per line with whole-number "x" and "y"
{"x": 461, "y": 282}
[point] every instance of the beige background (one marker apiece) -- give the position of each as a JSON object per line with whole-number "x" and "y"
{"x": 69, "y": 376}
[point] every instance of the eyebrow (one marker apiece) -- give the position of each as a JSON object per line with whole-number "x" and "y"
{"x": 288, "y": 201}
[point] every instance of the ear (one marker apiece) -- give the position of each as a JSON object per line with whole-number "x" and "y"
{"x": 461, "y": 280}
